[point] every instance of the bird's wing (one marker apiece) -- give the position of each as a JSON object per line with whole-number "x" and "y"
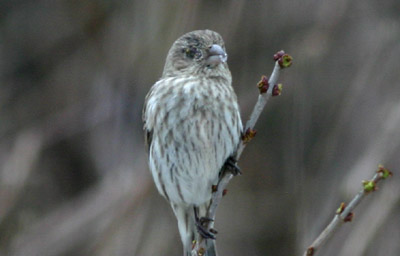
{"x": 148, "y": 136}
{"x": 148, "y": 132}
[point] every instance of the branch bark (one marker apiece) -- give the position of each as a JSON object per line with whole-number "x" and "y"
{"x": 267, "y": 89}
{"x": 344, "y": 213}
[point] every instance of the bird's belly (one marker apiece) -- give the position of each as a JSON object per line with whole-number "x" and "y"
{"x": 188, "y": 157}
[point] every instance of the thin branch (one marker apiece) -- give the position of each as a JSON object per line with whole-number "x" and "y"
{"x": 260, "y": 105}
{"x": 268, "y": 88}
{"x": 345, "y": 213}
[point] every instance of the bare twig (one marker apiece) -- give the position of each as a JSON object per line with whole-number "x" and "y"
{"x": 268, "y": 88}
{"x": 344, "y": 213}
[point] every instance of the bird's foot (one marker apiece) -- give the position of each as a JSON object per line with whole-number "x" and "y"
{"x": 231, "y": 166}
{"x": 203, "y": 230}
{"x": 201, "y": 225}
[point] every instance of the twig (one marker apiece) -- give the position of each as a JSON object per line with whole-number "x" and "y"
{"x": 268, "y": 88}
{"x": 344, "y": 213}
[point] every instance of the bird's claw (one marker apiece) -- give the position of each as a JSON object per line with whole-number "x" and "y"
{"x": 231, "y": 166}
{"x": 202, "y": 227}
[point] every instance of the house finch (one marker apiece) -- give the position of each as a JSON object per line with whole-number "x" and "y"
{"x": 192, "y": 128}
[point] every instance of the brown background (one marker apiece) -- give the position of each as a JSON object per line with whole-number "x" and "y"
{"x": 73, "y": 173}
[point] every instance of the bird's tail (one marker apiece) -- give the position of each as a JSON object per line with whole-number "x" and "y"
{"x": 187, "y": 228}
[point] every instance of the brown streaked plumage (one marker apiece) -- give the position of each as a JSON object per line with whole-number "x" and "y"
{"x": 192, "y": 124}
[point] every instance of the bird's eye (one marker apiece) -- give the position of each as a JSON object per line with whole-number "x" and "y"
{"x": 192, "y": 52}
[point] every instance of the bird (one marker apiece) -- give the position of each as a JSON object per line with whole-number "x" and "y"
{"x": 192, "y": 129}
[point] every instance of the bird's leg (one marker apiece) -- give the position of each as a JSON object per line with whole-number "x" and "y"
{"x": 231, "y": 166}
{"x": 200, "y": 225}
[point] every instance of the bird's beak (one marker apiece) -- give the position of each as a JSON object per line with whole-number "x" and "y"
{"x": 216, "y": 55}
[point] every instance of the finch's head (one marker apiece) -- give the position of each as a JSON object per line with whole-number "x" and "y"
{"x": 197, "y": 52}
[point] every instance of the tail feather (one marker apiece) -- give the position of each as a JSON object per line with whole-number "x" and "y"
{"x": 186, "y": 225}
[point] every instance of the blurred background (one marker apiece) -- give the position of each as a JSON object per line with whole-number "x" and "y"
{"x": 73, "y": 170}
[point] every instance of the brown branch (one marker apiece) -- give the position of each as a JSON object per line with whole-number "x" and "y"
{"x": 345, "y": 213}
{"x": 268, "y": 88}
